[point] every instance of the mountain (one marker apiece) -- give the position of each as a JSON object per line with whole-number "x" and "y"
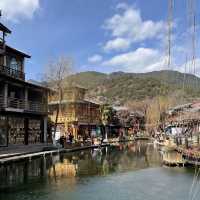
{"x": 90, "y": 79}
{"x": 122, "y": 87}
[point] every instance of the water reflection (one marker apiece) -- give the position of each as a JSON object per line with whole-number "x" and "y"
{"x": 73, "y": 166}
{"x": 118, "y": 158}
{"x": 172, "y": 157}
{"x": 118, "y": 172}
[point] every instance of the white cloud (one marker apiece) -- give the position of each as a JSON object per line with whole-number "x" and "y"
{"x": 140, "y": 60}
{"x": 122, "y": 6}
{"x": 95, "y": 58}
{"x": 14, "y": 10}
{"x": 160, "y": 64}
{"x": 117, "y": 44}
{"x": 130, "y": 26}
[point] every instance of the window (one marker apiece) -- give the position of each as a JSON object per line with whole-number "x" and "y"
{"x": 14, "y": 64}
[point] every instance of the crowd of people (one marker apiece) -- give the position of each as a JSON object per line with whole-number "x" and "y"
{"x": 68, "y": 139}
{"x": 90, "y": 138}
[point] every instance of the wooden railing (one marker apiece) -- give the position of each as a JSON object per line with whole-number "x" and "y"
{"x": 36, "y": 106}
{"x": 31, "y": 106}
{"x": 62, "y": 119}
{"x": 16, "y": 103}
{"x": 72, "y": 117}
{"x": 12, "y": 72}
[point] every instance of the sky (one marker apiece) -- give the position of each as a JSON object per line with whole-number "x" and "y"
{"x": 101, "y": 35}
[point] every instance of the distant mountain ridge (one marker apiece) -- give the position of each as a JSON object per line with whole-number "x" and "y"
{"x": 122, "y": 87}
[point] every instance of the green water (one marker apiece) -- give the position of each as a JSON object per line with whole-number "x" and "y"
{"x": 129, "y": 171}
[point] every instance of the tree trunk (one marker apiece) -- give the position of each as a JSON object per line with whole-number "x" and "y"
{"x": 56, "y": 122}
{"x": 57, "y": 112}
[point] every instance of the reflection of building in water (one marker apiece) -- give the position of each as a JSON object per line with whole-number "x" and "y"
{"x": 64, "y": 169}
{"x": 153, "y": 155}
{"x": 15, "y": 174}
{"x": 135, "y": 155}
{"x": 172, "y": 157}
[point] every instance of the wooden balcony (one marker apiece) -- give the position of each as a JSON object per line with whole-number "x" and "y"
{"x": 15, "y": 103}
{"x": 30, "y": 106}
{"x": 12, "y": 72}
{"x": 36, "y": 106}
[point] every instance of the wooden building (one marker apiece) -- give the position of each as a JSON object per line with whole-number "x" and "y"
{"x": 77, "y": 115}
{"x": 23, "y": 105}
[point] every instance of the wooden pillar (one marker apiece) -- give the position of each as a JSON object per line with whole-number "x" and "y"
{"x": 74, "y": 131}
{"x": 45, "y": 129}
{"x": 4, "y": 61}
{"x": 6, "y": 95}
{"x": 7, "y": 130}
{"x": 22, "y": 66}
{"x": 26, "y": 134}
{"x": 26, "y": 98}
{"x": 42, "y": 130}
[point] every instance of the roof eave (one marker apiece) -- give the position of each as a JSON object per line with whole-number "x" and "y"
{"x": 5, "y": 29}
{"x": 19, "y": 52}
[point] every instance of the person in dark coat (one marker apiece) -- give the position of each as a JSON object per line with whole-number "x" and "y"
{"x": 71, "y": 138}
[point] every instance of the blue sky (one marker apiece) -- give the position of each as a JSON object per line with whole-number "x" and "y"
{"x": 101, "y": 35}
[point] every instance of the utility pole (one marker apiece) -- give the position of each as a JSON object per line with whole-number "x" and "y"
{"x": 169, "y": 35}
{"x": 192, "y": 34}
{"x": 184, "y": 78}
{"x": 192, "y": 39}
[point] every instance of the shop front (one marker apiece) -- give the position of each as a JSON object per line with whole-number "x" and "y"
{"x": 3, "y": 131}
{"x": 21, "y": 130}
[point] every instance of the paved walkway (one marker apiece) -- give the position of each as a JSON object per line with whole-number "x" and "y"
{"x": 20, "y": 152}
{"x": 14, "y": 150}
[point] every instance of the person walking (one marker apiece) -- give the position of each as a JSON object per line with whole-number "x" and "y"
{"x": 71, "y": 137}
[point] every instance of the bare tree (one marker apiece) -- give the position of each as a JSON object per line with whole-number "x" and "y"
{"x": 140, "y": 106}
{"x": 56, "y": 73}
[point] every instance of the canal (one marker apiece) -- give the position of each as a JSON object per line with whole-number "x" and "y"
{"x": 125, "y": 171}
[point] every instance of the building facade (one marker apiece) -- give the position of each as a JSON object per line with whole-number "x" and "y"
{"x": 23, "y": 105}
{"x": 78, "y": 116}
